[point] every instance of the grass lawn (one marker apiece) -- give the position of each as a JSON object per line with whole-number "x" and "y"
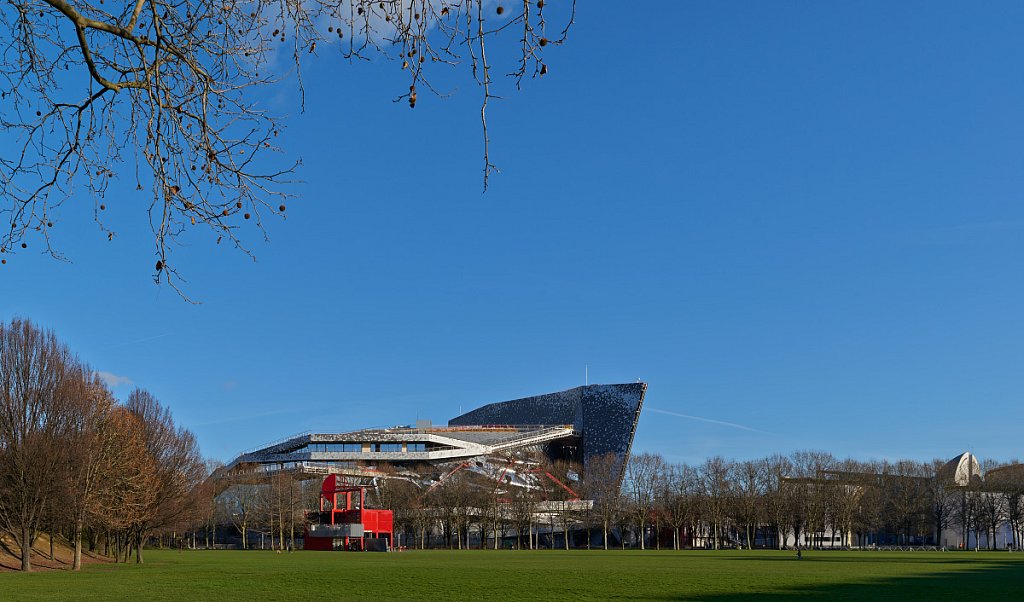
{"x": 538, "y": 575}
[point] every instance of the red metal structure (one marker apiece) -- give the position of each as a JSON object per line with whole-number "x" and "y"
{"x": 501, "y": 479}
{"x": 344, "y": 523}
{"x": 575, "y": 496}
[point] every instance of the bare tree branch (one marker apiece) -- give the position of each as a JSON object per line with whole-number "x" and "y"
{"x": 170, "y": 88}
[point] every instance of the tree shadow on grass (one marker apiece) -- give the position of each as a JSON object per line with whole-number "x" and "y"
{"x": 992, "y": 580}
{"x": 830, "y": 556}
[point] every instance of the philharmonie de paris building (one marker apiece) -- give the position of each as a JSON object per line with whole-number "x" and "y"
{"x": 506, "y": 443}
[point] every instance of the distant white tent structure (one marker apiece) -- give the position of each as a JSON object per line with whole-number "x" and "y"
{"x": 962, "y": 470}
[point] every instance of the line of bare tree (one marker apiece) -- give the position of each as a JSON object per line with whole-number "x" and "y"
{"x": 79, "y": 466}
{"x": 806, "y": 499}
{"x": 273, "y": 505}
{"x": 812, "y": 499}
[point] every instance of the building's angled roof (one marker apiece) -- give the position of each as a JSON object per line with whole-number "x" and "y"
{"x": 961, "y": 470}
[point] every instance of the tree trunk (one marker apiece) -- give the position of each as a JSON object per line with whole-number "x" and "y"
{"x": 605, "y": 525}
{"x": 139, "y": 540}
{"x": 26, "y": 549}
{"x": 77, "y": 563}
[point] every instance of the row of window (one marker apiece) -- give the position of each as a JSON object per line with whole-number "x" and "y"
{"x": 333, "y": 447}
{"x": 358, "y": 447}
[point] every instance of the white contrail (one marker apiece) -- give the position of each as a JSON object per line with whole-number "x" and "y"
{"x": 712, "y": 421}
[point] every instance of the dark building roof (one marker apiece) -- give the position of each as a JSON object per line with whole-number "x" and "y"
{"x": 604, "y": 416}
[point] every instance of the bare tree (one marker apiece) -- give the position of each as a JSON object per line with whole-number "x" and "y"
{"x": 207, "y": 510}
{"x": 642, "y": 474}
{"x": 1009, "y": 482}
{"x": 276, "y": 506}
{"x": 601, "y": 484}
{"x": 717, "y": 490}
{"x": 905, "y": 490}
{"x": 965, "y": 512}
{"x": 750, "y": 488}
{"x": 776, "y": 469}
{"x": 266, "y": 512}
{"x": 810, "y": 506}
{"x": 238, "y": 505}
{"x": 34, "y": 419}
{"x": 941, "y": 495}
{"x": 106, "y": 454}
{"x": 846, "y": 493}
{"x": 523, "y": 508}
{"x": 178, "y": 467}
{"x": 678, "y": 505}
{"x": 421, "y": 516}
{"x": 867, "y": 515}
{"x": 72, "y": 459}
{"x": 127, "y": 491}
{"x": 402, "y": 497}
{"x": 991, "y": 510}
{"x": 494, "y": 504}
{"x": 450, "y": 498}
{"x": 562, "y": 497}
{"x": 170, "y": 90}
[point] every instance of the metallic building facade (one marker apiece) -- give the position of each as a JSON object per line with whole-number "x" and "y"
{"x": 603, "y": 416}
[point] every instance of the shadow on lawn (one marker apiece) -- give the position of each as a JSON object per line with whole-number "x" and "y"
{"x": 827, "y": 556}
{"x": 995, "y": 580}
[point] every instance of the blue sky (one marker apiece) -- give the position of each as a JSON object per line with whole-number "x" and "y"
{"x": 798, "y": 221}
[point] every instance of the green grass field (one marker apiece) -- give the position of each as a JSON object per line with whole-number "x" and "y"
{"x": 540, "y": 575}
